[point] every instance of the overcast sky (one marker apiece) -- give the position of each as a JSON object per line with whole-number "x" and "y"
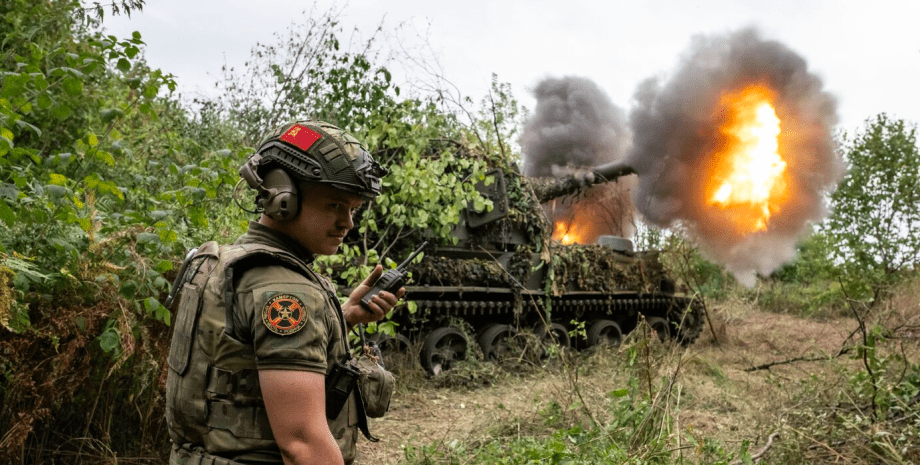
{"x": 867, "y": 52}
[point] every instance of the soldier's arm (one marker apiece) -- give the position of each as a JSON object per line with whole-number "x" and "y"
{"x": 296, "y": 405}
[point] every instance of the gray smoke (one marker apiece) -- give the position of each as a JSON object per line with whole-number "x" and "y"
{"x": 575, "y": 125}
{"x": 675, "y": 123}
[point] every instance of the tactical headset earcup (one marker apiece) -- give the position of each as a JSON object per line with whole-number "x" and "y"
{"x": 278, "y": 198}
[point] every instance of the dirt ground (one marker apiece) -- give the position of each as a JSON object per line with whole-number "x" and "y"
{"x": 718, "y": 398}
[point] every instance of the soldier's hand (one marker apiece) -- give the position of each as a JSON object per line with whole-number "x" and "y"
{"x": 380, "y": 304}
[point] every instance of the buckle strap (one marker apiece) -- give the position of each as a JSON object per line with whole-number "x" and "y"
{"x": 188, "y": 455}
{"x": 225, "y": 383}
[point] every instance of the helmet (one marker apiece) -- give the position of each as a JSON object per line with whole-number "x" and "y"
{"x": 316, "y": 151}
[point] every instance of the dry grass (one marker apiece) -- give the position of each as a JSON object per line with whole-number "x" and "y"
{"x": 722, "y": 397}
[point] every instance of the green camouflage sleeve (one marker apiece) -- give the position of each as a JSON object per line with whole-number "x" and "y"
{"x": 289, "y": 319}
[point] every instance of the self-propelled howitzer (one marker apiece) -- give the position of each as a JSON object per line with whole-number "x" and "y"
{"x": 505, "y": 276}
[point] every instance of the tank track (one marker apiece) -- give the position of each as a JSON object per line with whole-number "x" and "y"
{"x": 675, "y": 316}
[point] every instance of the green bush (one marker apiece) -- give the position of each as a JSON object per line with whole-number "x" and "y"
{"x": 818, "y": 299}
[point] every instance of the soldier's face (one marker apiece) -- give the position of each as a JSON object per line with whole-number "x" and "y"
{"x": 324, "y": 219}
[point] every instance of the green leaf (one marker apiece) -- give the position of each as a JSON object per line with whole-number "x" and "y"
{"x": 26, "y": 125}
{"x": 111, "y": 188}
{"x": 57, "y": 192}
{"x": 105, "y": 157}
{"x": 111, "y": 114}
{"x": 158, "y": 215}
{"x": 147, "y": 109}
{"x": 148, "y": 238}
{"x": 73, "y": 86}
{"x": 123, "y": 65}
{"x": 151, "y": 304}
{"x": 44, "y": 102}
{"x": 58, "y": 179}
{"x": 163, "y": 266}
{"x": 61, "y": 112}
{"x": 6, "y": 213}
{"x": 91, "y": 181}
{"x": 109, "y": 340}
{"x": 128, "y": 289}
{"x": 150, "y": 91}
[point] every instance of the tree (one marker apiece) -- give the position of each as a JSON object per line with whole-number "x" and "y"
{"x": 434, "y": 161}
{"x": 306, "y": 72}
{"x": 876, "y": 209}
{"x": 104, "y": 179}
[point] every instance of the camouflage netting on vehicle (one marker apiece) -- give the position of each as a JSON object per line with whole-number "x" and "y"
{"x": 440, "y": 271}
{"x": 546, "y": 189}
{"x": 598, "y": 268}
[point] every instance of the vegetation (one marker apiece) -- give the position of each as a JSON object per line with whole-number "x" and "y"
{"x": 875, "y": 219}
{"x": 107, "y": 178}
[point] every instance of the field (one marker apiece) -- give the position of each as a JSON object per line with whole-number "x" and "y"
{"x": 714, "y": 402}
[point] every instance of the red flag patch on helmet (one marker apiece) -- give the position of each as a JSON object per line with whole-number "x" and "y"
{"x": 283, "y": 314}
{"x": 301, "y": 137}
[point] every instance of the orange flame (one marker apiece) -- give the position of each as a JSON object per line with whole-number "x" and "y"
{"x": 567, "y": 233}
{"x": 748, "y": 173}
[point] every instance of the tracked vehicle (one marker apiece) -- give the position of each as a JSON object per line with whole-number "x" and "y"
{"x": 506, "y": 275}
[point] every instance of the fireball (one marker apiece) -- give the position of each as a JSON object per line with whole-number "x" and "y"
{"x": 568, "y": 232}
{"x": 747, "y": 180}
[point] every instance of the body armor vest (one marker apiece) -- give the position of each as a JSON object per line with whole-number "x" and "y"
{"x": 213, "y": 397}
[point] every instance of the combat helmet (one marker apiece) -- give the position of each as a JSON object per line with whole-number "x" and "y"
{"x": 309, "y": 151}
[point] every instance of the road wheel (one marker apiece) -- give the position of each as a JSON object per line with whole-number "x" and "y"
{"x": 498, "y": 341}
{"x": 660, "y": 326}
{"x": 442, "y": 349}
{"x": 558, "y": 335}
{"x": 395, "y": 350}
{"x": 690, "y": 318}
{"x": 604, "y": 333}
{"x": 396, "y": 343}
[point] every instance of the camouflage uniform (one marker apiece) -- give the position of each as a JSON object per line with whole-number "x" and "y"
{"x": 282, "y": 317}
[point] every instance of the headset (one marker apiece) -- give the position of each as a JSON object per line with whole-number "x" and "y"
{"x": 277, "y": 195}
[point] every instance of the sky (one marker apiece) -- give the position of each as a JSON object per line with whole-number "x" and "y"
{"x": 867, "y": 53}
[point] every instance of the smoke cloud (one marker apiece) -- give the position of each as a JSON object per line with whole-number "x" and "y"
{"x": 675, "y": 125}
{"x": 575, "y": 125}
{"x": 674, "y": 128}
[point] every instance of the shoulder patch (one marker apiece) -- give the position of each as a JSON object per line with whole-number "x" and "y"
{"x": 284, "y": 314}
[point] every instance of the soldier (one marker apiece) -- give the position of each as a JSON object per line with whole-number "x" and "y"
{"x": 256, "y": 331}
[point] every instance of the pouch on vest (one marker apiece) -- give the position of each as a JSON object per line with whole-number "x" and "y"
{"x": 376, "y": 385}
{"x": 180, "y": 349}
{"x": 189, "y": 308}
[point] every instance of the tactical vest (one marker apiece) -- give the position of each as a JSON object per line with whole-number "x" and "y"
{"x": 220, "y": 408}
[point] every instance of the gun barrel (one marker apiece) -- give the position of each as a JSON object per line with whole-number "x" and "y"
{"x": 612, "y": 171}
{"x": 550, "y": 188}
{"x": 414, "y": 254}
